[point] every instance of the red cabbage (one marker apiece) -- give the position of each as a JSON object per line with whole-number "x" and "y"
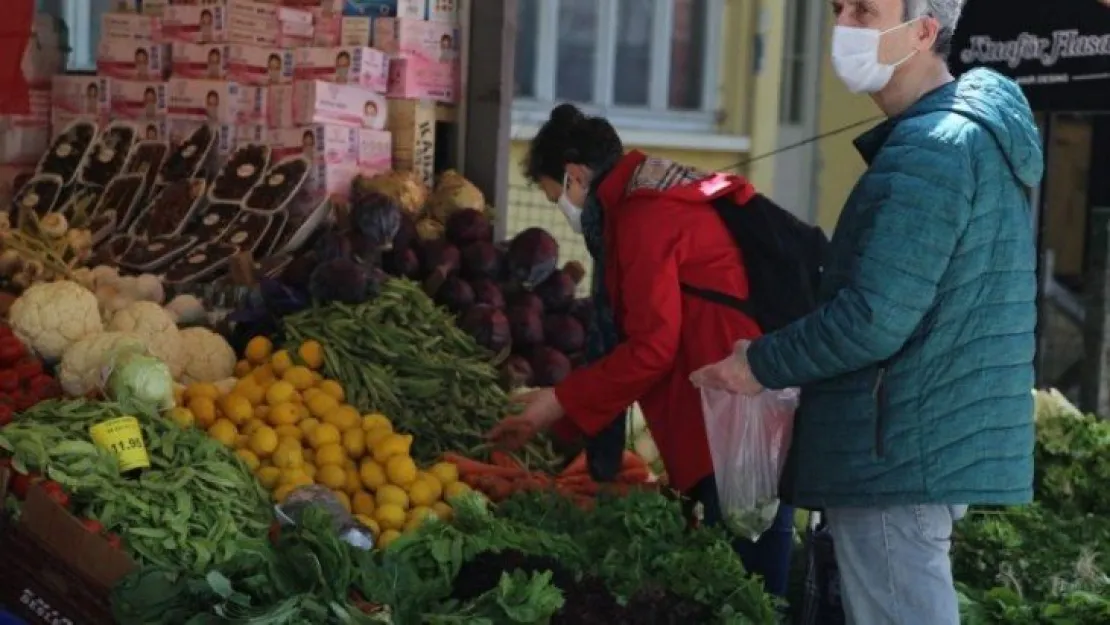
{"x": 488, "y": 326}
{"x": 481, "y": 260}
{"x": 549, "y": 366}
{"x": 557, "y": 292}
{"x": 468, "y": 226}
{"x": 516, "y": 372}
{"x": 455, "y": 295}
{"x": 524, "y": 299}
{"x": 439, "y": 257}
{"x": 583, "y": 311}
{"x": 533, "y": 256}
{"x": 526, "y": 327}
{"x": 402, "y": 262}
{"x": 564, "y": 333}
{"x": 487, "y": 292}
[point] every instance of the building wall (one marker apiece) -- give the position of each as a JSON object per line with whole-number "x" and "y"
{"x": 744, "y": 98}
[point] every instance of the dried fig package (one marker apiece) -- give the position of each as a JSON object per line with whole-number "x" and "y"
{"x": 113, "y": 249}
{"x": 281, "y": 184}
{"x": 215, "y": 220}
{"x": 273, "y": 234}
{"x": 64, "y": 156}
{"x": 243, "y": 169}
{"x": 157, "y": 253}
{"x": 106, "y": 157}
{"x": 248, "y": 230}
{"x": 170, "y": 210}
{"x": 122, "y": 196}
{"x": 103, "y": 226}
{"x": 39, "y": 195}
{"x": 203, "y": 262}
{"x": 189, "y": 159}
{"x": 147, "y": 159}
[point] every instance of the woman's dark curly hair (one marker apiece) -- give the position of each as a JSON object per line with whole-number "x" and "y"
{"x": 571, "y": 136}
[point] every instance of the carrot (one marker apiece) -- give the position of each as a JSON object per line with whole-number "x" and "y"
{"x": 467, "y": 466}
{"x": 586, "y": 489}
{"x": 577, "y": 466}
{"x": 637, "y": 475}
{"x": 572, "y": 481}
{"x": 503, "y": 460}
{"x": 631, "y": 460}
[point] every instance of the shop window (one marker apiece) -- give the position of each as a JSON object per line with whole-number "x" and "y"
{"x": 642, "y": 63}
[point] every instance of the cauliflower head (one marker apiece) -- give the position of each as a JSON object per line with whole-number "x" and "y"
{"x": 208, "y": 357}
{"x": 51, "y": 316}
{"x": 86, "y": 362}
{"x": 158, "y": 330}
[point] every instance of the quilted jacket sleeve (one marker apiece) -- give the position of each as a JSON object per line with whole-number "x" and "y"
{"x": 915, "y": 203}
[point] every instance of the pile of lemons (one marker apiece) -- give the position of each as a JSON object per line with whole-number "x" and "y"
{"x": 292, "y": 427}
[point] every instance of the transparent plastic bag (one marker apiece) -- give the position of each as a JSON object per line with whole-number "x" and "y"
{"x": 749, "y": 437}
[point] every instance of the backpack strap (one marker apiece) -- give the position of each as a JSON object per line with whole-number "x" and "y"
{"x": 717, "y": 297}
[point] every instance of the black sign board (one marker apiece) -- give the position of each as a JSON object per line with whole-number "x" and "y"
{"x": 1058, "y": 50}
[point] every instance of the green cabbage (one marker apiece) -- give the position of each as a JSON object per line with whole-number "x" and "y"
{"x": 140, "y": 382}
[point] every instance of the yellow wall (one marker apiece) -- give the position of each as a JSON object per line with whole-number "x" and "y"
{"x": 744, "y": 100}
{"x": 838, "y": 163}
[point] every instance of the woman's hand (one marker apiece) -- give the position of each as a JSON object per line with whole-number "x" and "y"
{"x": 733, "y": 374}
{"x": 541, "y": 411}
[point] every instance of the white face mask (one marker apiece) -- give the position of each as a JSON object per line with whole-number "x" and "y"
{"x": 570, "y": 211}
{"x": 855, "y": 57}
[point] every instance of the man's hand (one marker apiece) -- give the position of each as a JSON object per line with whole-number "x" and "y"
{"x": 541, "y": 411}
{"x": 733, "y": 374}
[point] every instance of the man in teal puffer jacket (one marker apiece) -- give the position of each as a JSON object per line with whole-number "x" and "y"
{"x": 917, "y": 366}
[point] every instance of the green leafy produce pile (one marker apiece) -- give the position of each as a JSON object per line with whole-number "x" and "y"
{"x": 309, "y": 576}
{"x": 1045, "y": 564}
{"x": 403, "y": 356}
{"x": 192, "y": 509}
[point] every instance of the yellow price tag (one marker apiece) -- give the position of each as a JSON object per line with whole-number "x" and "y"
{"x": 123, "y": 437}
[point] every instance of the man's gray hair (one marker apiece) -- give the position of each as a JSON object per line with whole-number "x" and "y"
{"x": 945, "y": 12}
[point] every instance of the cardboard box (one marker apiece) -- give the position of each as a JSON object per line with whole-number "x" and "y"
{"x": 54, "y": 570}
{"x": 362, "y": 66}
{"x": 261, "y": 24}
{"x": 180, "y": 129}
{"x": 328, "y": 25}
{"x": 86, "y": 95}
{"x": 427, "y": 41}
{"x": 60, "y": 120}
{"x": 130, "y": 27}
{"x": 319, "y": 102}
{"x": 413, "y": 126}
{"x": 416, "y": 79}
{"x": 206, "y": 61}
{"x": 195, "y": 23}
{"x": 217, "y": 101}
{"x": 356, "y": 31}
{"x": 375, "y": 151}
{"x": 146, "y": 7}
{"x": 131, "y": 60}
{"x": 255, "y": 65}
{"x": 138, "y": 99}
{"x": 319, "y": 143}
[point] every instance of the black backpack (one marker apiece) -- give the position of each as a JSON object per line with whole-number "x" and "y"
{"x": 782, "y": 257}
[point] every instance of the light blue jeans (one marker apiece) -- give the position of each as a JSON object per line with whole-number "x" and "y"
{"x": 894, "y": 564}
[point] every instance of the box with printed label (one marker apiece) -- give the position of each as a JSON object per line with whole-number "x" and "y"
{"x": 328, "y": 28}
{"x": 132, "y": 60}
{"x": 251, "y": 133}
{"x": 370, "y": 8}
{"x": 428, "y": 41}
{"x": 362, "y": 66}
{"x": 319, "y": 143}
{"x": 130, "y": 27}
{"x": 138, "y": 99}
{"x": 413, "y": 124}
{"x": 442, "y": 11}
{"x": 180, "y": 129}
{"x": 319, "y": 102}
{"x": 153, "y": 129}
{"x": 280, "y": 106}
{"x": 60, "y": 120}
{"x": 146, "y": 7}
{"x": 215, "y": 101}
{"x": 199, "y": 60}
{"x": 81, "y": 95}
{"x": 356, "y": 31}
{"x": 195, "y": 24}
{"x": 254, "y": 65}
{"x": 375, "y": 151}
{"x": 261, "y": 24}
{"x": 416, "y": 79}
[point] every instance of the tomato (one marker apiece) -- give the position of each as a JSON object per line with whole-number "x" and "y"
{"x": 6, "y": 330}
{"x": 114, "y": 541}
{"x": 55, "y": 493}
{"x": 43, "y": 386}
{"x": 92, "y": 526}
{"x": 7, "y": 413}
{"x": 9, "y": 380}
{"x": 28, "y": 368}
{"x": 23, "y": 401}
{"x": 21, "y": 483}
{"x": 11, "y": 350}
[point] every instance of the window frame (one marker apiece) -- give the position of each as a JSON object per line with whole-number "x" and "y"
{"x": 656, "y": 116}
{"x": 82, "y": 49}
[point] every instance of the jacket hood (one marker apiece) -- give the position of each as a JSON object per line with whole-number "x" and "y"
{"x": 996, "y": 103}
{"x": 639, "y": 175}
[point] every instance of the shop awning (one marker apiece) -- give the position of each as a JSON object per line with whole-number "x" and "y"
{"x": 1059, "y": 50}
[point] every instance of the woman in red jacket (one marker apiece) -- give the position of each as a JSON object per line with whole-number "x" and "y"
{"x": 650, "y": 228}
